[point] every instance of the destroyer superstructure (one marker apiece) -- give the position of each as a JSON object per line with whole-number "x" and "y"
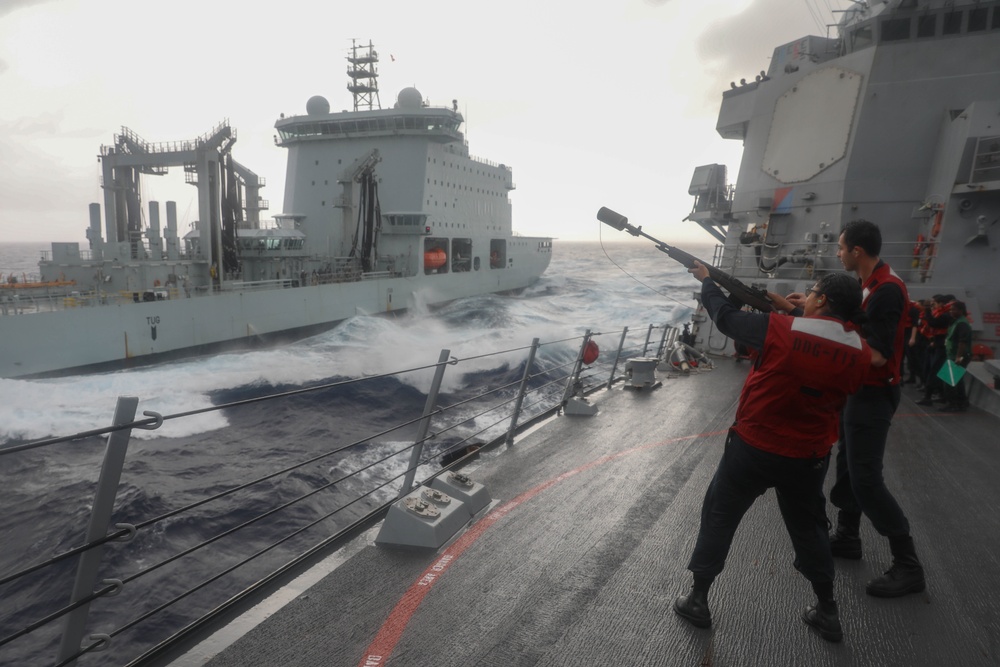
{"x": 383, "y": 209}
{"x": 896, "y": 119}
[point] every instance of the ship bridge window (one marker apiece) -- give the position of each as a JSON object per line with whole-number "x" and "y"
{"x": 952, "y": 23}
{"x": 406, "y": 219}
{"x": 894, "y": 30}
{"x": 861, "y": 37}
{"x": 498, "y": 253}
{"x": 926, "y": 25}
{"x": 977, "y": 19}
{"x": 461, "y": 255}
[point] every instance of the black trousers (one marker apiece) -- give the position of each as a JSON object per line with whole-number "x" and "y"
{"x": 956, "y": 396}
{"x": 935, "y": 359}
{"x": 860, "y": 486}
{"x": 743, "y": 475}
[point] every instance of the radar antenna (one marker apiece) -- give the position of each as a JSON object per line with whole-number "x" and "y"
{"x": 364, "y": 76}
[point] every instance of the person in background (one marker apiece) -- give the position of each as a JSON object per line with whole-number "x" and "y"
{"x": 786, "y": 424}
{"x": 911, "y": 355}
{"x": 919, "y": 340}
{"x": 860, "y": 487}
{"x": 958, "y": 348}
{"x": 938, "y": 319}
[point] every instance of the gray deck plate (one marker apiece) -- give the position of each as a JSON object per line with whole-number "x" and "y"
{"x": 584, "y": 572}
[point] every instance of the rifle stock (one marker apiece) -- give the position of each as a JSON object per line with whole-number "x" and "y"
{"x": 744, "y": 294}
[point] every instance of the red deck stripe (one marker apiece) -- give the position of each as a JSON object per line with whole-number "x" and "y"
{"x": 388, "y": 636}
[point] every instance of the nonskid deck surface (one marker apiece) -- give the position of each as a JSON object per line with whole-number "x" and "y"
{"x": 582, "y": 558}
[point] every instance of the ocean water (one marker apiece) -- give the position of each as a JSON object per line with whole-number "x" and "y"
{"x": 20, "y": 260}
{"x": 47, "y": 492}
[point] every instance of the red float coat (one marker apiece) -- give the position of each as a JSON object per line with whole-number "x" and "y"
{"x": 791, "y": 401}
{"x": 932, "y": 332}
{"x": 886, "y": 330}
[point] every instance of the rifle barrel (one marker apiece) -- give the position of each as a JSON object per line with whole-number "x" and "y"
{"x": 755, "y": 297}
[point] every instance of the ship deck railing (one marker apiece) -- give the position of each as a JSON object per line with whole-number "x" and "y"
{"x": 23, "y": 303}
{"x": 148, "y": 252}
{"x": 55, "y": 299}
{"x": 237, "y": 541}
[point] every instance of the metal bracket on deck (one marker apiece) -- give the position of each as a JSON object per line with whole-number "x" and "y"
{"x": 426, "y": 518}
{"x": 461, "y": 488}
{"x": 421, "y": 508}
{"x": 640, "y": 373}
{"x": 578, "y": 406}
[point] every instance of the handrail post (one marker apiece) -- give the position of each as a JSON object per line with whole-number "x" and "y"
{"x": 100, "y": 519}
{"x": 649, "y": 333}
{"x": 425, "y": 423}
{"x": 662, "y": 350}
{"x": 577, "y": 367}
{"x": 520, "y": 392}
{"x": 618, "y": 356}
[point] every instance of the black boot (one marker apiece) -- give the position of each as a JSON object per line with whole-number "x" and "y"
{"x": 693, "y": 608}
{"x": 824, "y": 617}
{"x": 845, "y": 542}
{"x": 906, "y": 574}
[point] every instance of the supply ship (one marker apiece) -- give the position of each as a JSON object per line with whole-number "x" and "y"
{"x": 582, "y": 525}
{"x": 385, "y": 209}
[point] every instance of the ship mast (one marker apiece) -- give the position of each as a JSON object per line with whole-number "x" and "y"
{"x": 364, "y": 76}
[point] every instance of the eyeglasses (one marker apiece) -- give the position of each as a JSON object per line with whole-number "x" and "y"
{"x": 813, "y": 290}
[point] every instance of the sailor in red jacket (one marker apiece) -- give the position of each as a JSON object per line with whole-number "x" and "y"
{"x": 786, "y": 423}
{"x": 860, "y": 488}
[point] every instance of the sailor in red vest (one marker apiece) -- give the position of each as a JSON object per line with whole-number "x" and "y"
{"x": 938, "y": 320}
{"x": 786, "y": 425}
{"x": 860, "y": 487}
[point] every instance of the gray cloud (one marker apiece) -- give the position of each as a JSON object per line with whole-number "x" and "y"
{"x": 45, "y": 124}
{"x": 741, "y": 46}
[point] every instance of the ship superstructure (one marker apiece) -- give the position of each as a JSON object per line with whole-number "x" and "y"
{"x": 895, "y": 119}
{"x": 430, "y": 200}
{"x": 383, "y": 209}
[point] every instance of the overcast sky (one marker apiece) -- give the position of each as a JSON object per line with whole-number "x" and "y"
{"x": 602, "y": 103}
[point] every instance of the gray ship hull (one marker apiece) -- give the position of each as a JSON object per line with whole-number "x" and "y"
{"x": 73, "y": 340}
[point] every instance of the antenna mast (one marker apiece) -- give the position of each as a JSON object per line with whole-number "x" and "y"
{"x": 364, "y": 76}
